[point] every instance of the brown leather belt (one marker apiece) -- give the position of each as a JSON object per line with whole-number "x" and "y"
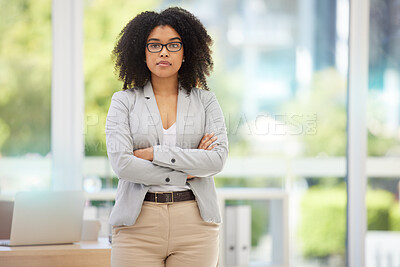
{"x": 169, "y": 197}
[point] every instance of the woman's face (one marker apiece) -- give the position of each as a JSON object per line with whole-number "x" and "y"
{"x": 164, "y": 64}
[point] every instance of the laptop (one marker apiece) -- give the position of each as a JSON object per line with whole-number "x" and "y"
{"x": 6, "y": 211}
{"x": 46, "y": 218}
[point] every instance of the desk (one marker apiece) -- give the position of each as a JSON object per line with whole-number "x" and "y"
{"x": 84, "y": 254}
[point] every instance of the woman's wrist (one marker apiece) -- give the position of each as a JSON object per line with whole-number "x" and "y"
{"x": 144, "y": 153}
{"x": 151, "y": 153}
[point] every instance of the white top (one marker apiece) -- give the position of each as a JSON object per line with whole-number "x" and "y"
{"x": 169, "y": 139}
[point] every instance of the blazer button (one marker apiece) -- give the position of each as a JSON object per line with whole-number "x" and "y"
{"x": 167, "y": 180}
{"x": 173, "y": 160}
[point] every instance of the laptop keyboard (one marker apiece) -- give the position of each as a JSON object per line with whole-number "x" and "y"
{"x": 5, "y": 243}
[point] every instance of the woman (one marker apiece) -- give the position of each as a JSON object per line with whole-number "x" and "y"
{"x": 165, "y": 141}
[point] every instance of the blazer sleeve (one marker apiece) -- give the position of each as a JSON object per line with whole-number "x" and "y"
{"x": 199, "y": 162}
{"x": 120, "y": 150}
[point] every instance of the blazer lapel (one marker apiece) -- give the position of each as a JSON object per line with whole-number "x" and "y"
{"x": 181, "y": 115}
{"x": 152, "y": 107}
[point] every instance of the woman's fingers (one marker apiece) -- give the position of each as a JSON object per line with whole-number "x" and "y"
{"x": 202, "y": 141}
{"x": 206, "y": 141}
{"x": 210, "y": 141}
{"x": 205, "y": 138}
{"x": 212, "y": 147}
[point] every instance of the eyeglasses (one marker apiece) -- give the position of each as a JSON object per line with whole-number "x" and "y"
{"x": 157, "y": 47}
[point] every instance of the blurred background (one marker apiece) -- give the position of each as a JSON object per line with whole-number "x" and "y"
{"x": 281, "y": 70}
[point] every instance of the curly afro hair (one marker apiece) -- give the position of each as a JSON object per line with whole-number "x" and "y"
{"x": 129, "y": 51}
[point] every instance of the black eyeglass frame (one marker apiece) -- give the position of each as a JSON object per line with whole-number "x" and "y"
{"x": 166, "y": 46}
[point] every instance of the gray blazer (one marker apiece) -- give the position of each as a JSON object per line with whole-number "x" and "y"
{"x": 134, "y": 122}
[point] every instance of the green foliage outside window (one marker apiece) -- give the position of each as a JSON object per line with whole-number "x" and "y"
{"x": 323, "y": 225}
{"x": 25, "y": 77}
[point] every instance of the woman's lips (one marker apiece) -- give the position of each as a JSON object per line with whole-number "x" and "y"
{"x": 164, "y": 64}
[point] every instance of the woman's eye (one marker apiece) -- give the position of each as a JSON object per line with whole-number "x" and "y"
{"x": 155, "y": 46}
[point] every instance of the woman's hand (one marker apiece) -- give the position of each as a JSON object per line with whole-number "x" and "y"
{"x": 144, "y": 153}
{"x": 205, "y": 143}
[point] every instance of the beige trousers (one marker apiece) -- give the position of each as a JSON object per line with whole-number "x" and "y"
{"x": 171, "y": 235}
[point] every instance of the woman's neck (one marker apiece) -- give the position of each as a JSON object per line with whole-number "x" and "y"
{"x": 164, "y": 86}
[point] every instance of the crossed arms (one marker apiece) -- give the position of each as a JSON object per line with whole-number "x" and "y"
{"x": 160, "y": 164}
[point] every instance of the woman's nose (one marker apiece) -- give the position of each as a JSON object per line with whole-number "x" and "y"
{"x": 164, "y": 52}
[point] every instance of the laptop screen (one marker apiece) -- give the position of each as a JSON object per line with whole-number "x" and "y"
{"x": 47, "y": 217}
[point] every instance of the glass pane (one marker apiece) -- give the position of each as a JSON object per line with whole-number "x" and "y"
{"x": 280, "y": 76}
{"x": 383, "y": 135}
{"x": 25, "y": 95}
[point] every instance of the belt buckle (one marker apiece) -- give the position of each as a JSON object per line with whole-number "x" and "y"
{"x": 164, "y": 193}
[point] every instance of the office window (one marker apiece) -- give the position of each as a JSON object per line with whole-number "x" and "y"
{"x": 280, "y": 76}
{"x": 383, "y": 134}
{"x": 25, "y": 95}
